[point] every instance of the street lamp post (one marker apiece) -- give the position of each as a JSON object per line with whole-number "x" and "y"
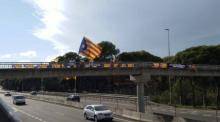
{"x": 168, "y": 39}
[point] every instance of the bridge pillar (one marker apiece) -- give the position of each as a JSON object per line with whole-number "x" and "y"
{"x": 140, "y": 81}
{"x": 140, "y": 97}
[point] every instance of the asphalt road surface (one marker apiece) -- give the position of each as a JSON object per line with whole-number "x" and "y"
{"x": 110, "y": 103}
{"x": 192, "y": 114}
{"x": 38, "y": 111}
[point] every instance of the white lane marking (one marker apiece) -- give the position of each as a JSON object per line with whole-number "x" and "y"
{"x": 207, "y": 115}
{"x": 121, "y": 119}
{"x": 15, "y": 109}
{"x": 183, "y": 112}
{"x": 194, "y": 112}
{"x": 82, "y": 110}
{"x": 32, "y": 116}
{"x": 125, "y": 120}
{"x": 62, "y": 114}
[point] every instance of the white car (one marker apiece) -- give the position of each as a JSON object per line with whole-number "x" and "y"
{"x": 18, "y": 99}
{"x": 97, "y": 112}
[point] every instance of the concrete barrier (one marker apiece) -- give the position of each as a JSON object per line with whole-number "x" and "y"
{"x": 145, "y": 117}
{"x": 179, "y": 119}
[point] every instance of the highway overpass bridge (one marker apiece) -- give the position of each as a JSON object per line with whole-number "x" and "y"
{"x": 142, "y": 73}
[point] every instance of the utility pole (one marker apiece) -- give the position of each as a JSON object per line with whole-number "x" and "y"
{"x": 168, "y": 39}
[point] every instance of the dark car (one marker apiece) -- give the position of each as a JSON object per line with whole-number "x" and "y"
{"x": 33, "y": 93}
{"x": 73, "y": 97}
{"x": 18, "y": 99}
{"x": 7, "y": 94}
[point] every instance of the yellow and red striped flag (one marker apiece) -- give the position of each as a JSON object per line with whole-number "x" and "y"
{"x": 89, "y": 49}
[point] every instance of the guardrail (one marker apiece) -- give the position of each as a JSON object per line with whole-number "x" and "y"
{"x": 154, "y": 65}
{"x": 114, "y": 101}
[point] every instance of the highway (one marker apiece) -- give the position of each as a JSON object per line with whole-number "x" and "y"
{"x": 38, "y": 111}
{"x": 96, "y": 100}
{"x": 191, "y": 114}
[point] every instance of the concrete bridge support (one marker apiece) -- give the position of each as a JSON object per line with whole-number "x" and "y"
{"x": 140, "y": 81}
{"x": 140, "y": 97}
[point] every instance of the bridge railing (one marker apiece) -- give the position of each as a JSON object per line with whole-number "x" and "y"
{"x": 103, "y": 65}
{"x": 23, "y": 65}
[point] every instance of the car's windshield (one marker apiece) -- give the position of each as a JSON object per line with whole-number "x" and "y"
{"x": 19, "y": 97}
{"x": 100, "y": 108}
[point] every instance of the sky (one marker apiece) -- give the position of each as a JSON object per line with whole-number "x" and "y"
{"x": 40, "y": 30}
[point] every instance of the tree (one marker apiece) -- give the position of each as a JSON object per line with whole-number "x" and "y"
{"x": 138, "y": 56}
{"x": 169, "y": 59}
{"x": 108, "y": 50}
{"x": 199, "y": 55}
{"x": 70, "y": 56}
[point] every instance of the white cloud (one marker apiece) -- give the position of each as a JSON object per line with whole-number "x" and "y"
{"x": 50, "y": 58}
{"x": 129, "y": 24}
{"x": 64, "y": 23}
{"x": 25, "y": 60}
{"x": 30, "y": 54}
{"x": 50, "y": 13}
{"x": 5, "y": 56}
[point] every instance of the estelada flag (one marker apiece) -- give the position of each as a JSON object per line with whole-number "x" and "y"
{"x": 89, "y": 49}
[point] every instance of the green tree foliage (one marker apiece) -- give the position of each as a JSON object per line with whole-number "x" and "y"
{"x": 138, "y": 56}
{"x": 199, "y": 55}
{"x": 70, "y": 56}
{"x": 108, "y": 49}
{"x": 169, "y": 59}
{"x": 201, "y": 88}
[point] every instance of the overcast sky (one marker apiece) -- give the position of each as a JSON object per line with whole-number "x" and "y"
{"x": 39, "y": 30}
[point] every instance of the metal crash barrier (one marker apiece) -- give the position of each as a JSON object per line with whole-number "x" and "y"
{"x": 105, "y": 65}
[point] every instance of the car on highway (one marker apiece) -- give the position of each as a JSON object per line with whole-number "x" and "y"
{"x": 73, "y": 97}
{"x": 33, "y": 93}
{"x": 97, "y": 112}
{"x": 18, "y": 99}
{"x": 7, "y": 94}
